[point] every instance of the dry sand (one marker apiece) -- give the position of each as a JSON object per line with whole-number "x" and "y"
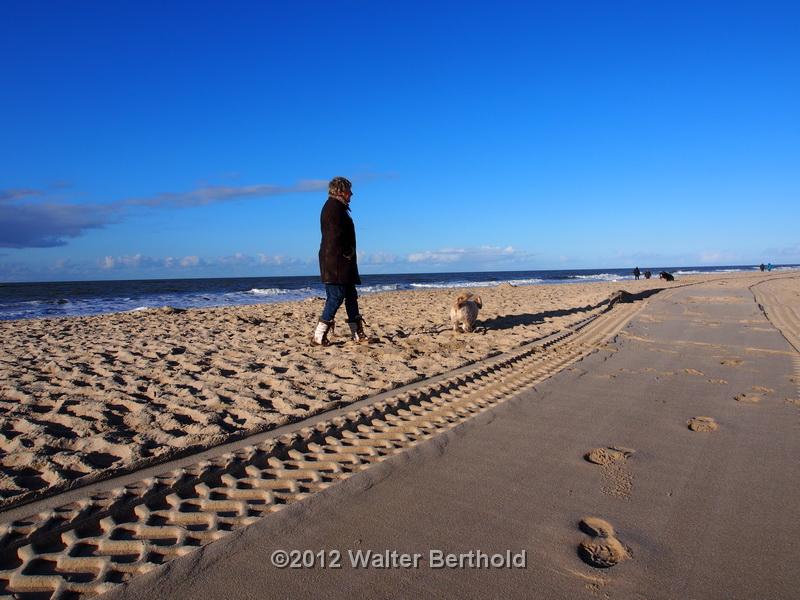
{"x": 82, "y": 398}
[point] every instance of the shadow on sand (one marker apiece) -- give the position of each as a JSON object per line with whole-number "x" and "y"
{"x": 510, "y": 321}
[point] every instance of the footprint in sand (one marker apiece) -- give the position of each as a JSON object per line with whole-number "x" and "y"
{"x": 601, "y": 549}
{"x": 748, "y": 398}
{"x": 693, "y": 372}
{"x": 617, "y": 479}
{"x": 717, "y": 381}
{"x": 731, "y": 362}
{"x": 762, "y": 389}
{"x": 610, "y": 454}
{"x": 702, "y": 424}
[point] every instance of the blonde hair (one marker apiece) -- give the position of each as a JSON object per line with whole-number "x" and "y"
{"x": 339, "y": 186}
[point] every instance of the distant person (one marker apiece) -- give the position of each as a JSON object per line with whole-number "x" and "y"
{"x": 666, "y": 276}
{"x": 338, "y": 263}
{"x": 636, "y": 273}
{"x": 769, "y": 266}
{"x": 647, "y": 274}
{"x": 762, "y": 267}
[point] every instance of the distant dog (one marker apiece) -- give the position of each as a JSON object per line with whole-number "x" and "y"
{"x": 666, "y": 276}
{"x": 464, "y": 312}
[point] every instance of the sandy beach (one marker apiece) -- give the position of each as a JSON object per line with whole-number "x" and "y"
{"x": 233, "y": 238}
{"x": 662, "y": 465}
{"x": 82, "y": 398}
{"x": 627, "y": 450}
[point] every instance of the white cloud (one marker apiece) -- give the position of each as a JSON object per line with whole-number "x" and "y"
{"x": 279, "y": 260}
{"x": 481, "y": 256}
{"x": 59, "y": 269}
{"x": 446, "y": 255}
{"x": 190, "y": 261}
{"x": 139, "y": 261}
{"x": 377, "y": 258}
{"x": 213, "y": 194}
{"x": 238, "y": 259}
{"x": 133, "y": 261}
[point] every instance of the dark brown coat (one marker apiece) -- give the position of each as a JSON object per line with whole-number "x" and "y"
{"x": 337, "y": 252}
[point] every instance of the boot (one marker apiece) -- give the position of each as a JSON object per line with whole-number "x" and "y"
{"x": 320, "y": 337}
{"x": 357, "y": 331}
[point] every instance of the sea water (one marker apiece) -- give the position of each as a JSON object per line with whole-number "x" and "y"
{"x": 76, "y": 298}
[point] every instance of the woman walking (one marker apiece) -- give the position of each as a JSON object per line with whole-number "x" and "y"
{"x": 338, "y": 263}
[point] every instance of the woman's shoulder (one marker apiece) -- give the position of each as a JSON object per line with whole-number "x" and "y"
{"x": 333, "y": 204}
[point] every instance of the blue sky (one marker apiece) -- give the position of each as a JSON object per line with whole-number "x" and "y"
{"x": 150, "y": 139}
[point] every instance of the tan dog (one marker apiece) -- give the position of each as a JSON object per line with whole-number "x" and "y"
{"x": 464, "y": 311}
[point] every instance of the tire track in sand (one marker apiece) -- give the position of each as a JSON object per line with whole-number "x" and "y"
{"x": 773, "y": 298}
{"x": 90, "y": 545}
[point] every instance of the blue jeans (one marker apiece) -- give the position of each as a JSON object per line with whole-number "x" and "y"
{"x": 335, "y": 295}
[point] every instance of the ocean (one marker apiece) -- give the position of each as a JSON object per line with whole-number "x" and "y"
{"x": 77, "y": 298}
